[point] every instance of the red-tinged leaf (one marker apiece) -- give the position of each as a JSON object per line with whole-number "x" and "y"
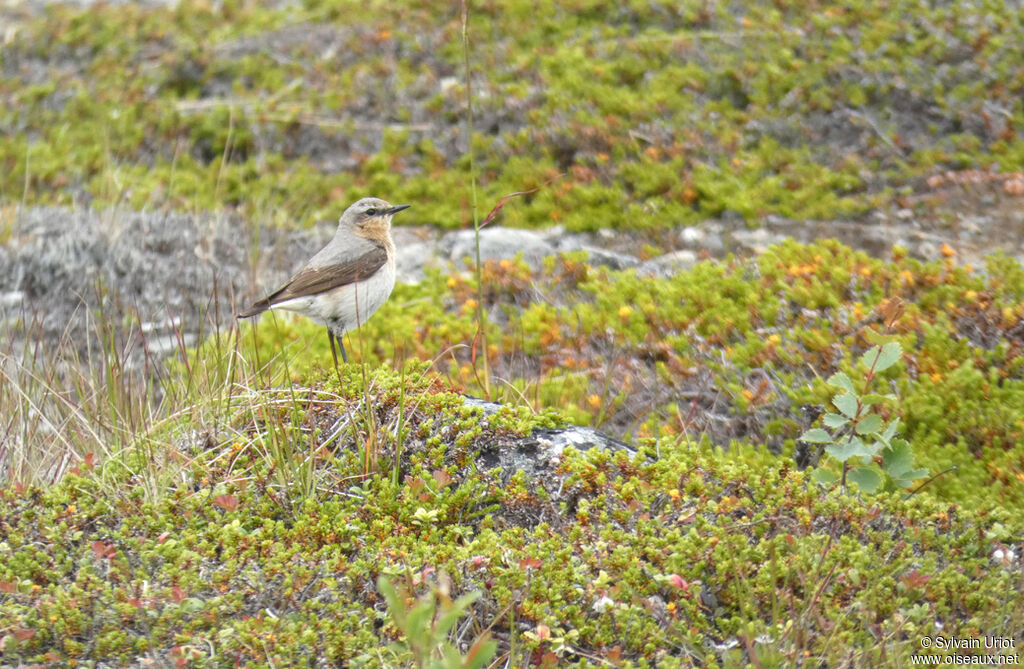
{"x": 90, "y": 461}
{"x": 679, "y": 582}
{"x": 226, "y": 502}
{"x": 482, "y": 645}
{"x": 529, "y": 563}
{"x": 420, "y": 577}
{"x": 614, "y": 653}
{"x": 543, "y": 632}
{"x": 504, "y": 200}
{"x": 23, "y": 633}
{"x": 136, "y": 602}
{"x": 177, "y": 594}
{"x": 8, "y": 587}
{"x": 100, "y": 549}
{"x": 163, "y": 537}
{"x": 916, "y": 579}
{"x": 472, "y": 348}
{"x": 442, "y": 478}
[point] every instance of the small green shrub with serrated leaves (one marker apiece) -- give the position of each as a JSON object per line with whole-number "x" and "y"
{"x": 859, "y": 432}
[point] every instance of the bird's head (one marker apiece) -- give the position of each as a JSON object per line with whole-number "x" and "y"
{"x": 370, "y": 216}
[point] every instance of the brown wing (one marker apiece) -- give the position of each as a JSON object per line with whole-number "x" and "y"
{"x": 315, "y": 280}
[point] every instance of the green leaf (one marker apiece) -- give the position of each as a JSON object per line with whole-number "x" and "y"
{"x": 890, "y": 431}
{"x": 874, "y": 398}
{"x": 816, "y": 436}
{"x": 848, "y": 449}
{"x": 417, "y": 621}
{"x": 847, "y": 404}
{"x": 999, "y": 532}
{"x": 452, "y": 657}
{"x": 452, "y": 615}
{"x": 867, "y": 479}
{"x": 192, "y": 605}
{"x": 881, "y": 358}
{"x": 891, "y": 354}
{"x": 898, "y": 462}
{"x": 391, "y": 597}
{"x": 869, "y": 424}
{"x": 835, "y": 420}
{"x": 480, "y": 653}
{"x": 908, "y": 479}
{"x": 824, "y": 477}
{"x": 870, "y": 357}
{"x": 841, "y": 380}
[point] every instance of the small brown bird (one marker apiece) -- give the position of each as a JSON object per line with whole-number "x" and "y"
{"x": 349, "y": 279}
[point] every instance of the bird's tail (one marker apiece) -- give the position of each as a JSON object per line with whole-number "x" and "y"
{"x": 256, "y": 309}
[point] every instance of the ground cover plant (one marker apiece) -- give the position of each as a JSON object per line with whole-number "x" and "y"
{"x": 695, "y": 558}
{"x": 262, "y": 529}
{"x": 647, "y": 115}
{"x": 243, "y": 503}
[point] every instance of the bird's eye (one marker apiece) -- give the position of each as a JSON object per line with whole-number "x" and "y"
{"x": 372, "y": 211}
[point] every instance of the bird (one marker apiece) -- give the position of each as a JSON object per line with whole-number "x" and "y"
{"x": 347, "y": 280}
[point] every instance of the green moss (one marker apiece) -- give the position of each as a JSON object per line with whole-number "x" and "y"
{"x": 180, "y": 107}
{"x": 637, "y": 355}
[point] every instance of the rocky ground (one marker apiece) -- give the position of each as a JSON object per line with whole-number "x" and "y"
{"x": 178, "y": 275}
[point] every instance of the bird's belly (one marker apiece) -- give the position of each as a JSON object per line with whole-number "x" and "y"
{"x": 347, "y": 307}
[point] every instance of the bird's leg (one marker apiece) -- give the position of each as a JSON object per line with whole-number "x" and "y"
{"x": 334, "y": 353}
{"x": 333, "y": 337}
{"x": 344, "y": 356}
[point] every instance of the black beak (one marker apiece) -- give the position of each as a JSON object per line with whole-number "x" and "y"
{"x": 395, "y": 209}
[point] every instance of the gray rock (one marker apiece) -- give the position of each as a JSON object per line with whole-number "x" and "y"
{"x": 555, "y": 441}
{"x": 411, "y": 260}
{"x": 705, "y": 237}
{"x": 489, "y": 408}
{"x": 497, "y": 243}
{"x": 610, "y": 259}
{"x": 692, "y": 237}
{"x": 556, "y": 234}
{"x": 176, "y": 273}
{"x": 670, "y": 264}
{"x": 597, "y": 255}
{"x": 538, "y": 454}
{"x": 757, "y": 240}
{"x": 11, "y": 298}
{"x": 566, "y": 241}
{"x": 927, "y": 249}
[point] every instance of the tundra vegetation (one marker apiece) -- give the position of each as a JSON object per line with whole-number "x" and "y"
{"x": 239, "y": 503}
